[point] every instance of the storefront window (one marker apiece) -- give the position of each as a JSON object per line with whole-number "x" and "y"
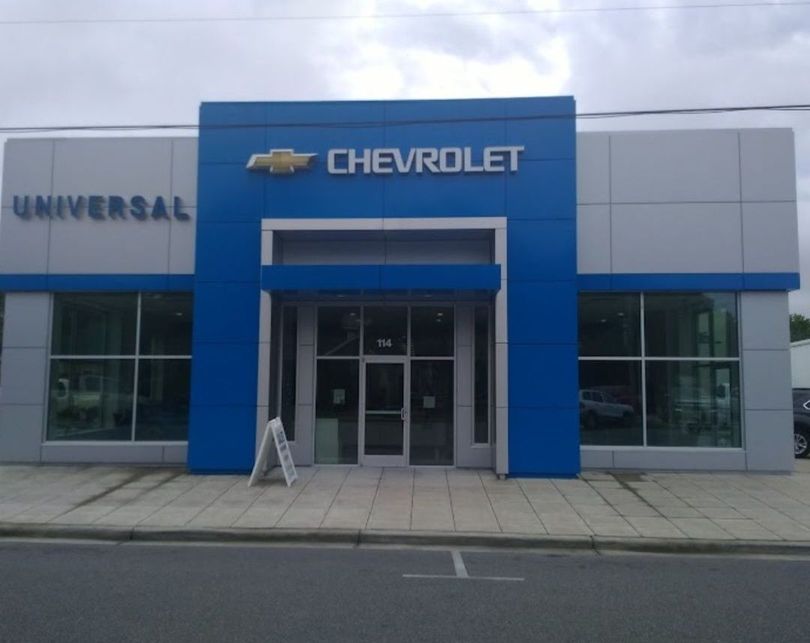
{"x": 432, "y": 412}
{"x": 691, "y": 325}
{"x": 336, "y": 411}
{"x": 91, "y": 399}
{"x": 94, "y": 324}
{"x": 105, "y": 384}
{"x": 693, "y": 404}
{"x": 610, "y": 408}
{"x": 432, "y": 331}
{"x": 385, "y": 330}
{"x": 338, "y": 330}
{"x": 609, "y": 325}
{"x": 686, "y": 358}
{"x": 166, "y": 323}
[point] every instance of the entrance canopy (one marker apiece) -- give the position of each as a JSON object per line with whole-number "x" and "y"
{"x": 382, "y": 277}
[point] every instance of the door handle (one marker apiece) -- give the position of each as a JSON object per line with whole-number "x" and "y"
{"x": 402, "y": 414}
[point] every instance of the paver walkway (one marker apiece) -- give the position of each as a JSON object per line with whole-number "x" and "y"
{"x": 715, "y": 506}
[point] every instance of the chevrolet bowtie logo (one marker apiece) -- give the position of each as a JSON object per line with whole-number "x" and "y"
{"x": 280, "y": 161}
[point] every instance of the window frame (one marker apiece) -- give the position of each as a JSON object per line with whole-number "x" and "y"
{"x": 644, "y": 359}
{"x": 136, "y": 357}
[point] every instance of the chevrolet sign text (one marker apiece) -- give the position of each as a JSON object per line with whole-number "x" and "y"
{"x": 433, "y": 160}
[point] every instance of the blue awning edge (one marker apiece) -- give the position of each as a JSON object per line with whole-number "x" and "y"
{"x": 382, "y": 277}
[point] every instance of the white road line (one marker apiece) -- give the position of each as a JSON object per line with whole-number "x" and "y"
{"x": 497, "y": 578}
{"x": 458, "y": 563}
{"x": 461, "y": 572}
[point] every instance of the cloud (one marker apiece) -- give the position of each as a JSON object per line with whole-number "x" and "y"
{"x": 160, "y": 72}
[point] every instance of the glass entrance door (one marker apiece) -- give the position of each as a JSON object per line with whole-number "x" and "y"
{"x": 385, "y": 416}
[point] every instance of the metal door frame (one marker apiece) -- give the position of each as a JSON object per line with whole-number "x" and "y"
{"x": 385, "y": 460}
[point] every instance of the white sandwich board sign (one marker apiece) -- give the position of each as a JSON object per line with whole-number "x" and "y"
{"x": 274, "y": 431}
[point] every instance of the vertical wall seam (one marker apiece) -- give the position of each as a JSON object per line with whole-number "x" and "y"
{"x": 174, "y": 218}
{"x": 742, "y": 218}
{"x": 50, "y": 221}
{"x": 610, "y": 204}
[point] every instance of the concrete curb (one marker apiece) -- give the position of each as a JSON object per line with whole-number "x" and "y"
{"x": 354, "y": 537}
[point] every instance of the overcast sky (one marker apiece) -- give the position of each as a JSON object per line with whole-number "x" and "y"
{"x": 132, "y": 73}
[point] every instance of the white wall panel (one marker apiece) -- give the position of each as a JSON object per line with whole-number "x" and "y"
{"x": 23, "y": 244}
{"x": 593, "y": 239}
{"x": 769, "y": 440}
{"x": 182, "y": 238}
{"x": 684, "y": 237}
{"x": 109, "y": 247}
{"x": 23, "y": 376}
{"x": 26, "y": 320}
{"x": 766, "y": 380}
{"x": 27, "y": 168}
{"x": 20, "y": 432}
{"x": 767, "y": 165}
{"x": 593, "y": 167}
{"x": 675, "y": 166}
{"x": 770, "y": 237}
{"x": 764, "y": 320}
{"x": 105, "y": 166}
{"x": 687, "y": 459}
{"x": 184, "y": 170}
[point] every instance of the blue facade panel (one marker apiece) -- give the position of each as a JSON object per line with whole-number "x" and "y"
{"x": 538, "y": 202}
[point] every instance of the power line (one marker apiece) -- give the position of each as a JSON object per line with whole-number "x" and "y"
{"x": 686, "y": 111}
{"x": 416, "y": 15}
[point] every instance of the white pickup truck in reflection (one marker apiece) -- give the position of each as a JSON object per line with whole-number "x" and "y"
{"x": 598, "y": 407}
{"x": 82, "y": 397}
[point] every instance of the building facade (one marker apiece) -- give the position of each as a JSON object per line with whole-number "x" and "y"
{"x": 406, "y": 283}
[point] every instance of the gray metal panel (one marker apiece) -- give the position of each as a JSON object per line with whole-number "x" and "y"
{"x": 175, "y": 454}
{"x": 770, "y": 237}
{"x": 596, "y": 458}
{"x": 381, "y": 251}
{"x": 23, "y": 376}
{"x": 329, "y": 252}
{"x": 304, "y": 379}
{"x": 307, "y": 320}
{"x": 183, "y": 236}
{"x": 20, "y": 432}
{"x": 766, "y": 380}
{"x": 767, "y": 165}
{"x": 184, "y": 170}
{"x": 104, "y": 166}
{"x": 764, "y": 320}
{"x": 683, "y": 237}
{"x": 769, "y": 440}
{"x": 465, "y": 325}
{"x": 675, "y": 166}
{"x": 464, "y": 373}
{"x": 593, "y": 167}
{"x": 593, "y": 239}
{"x": 687, "y": 459}
{"x": 27, "y": 168}
{"x": 134, "y": 453}
{"x": 23, "y": 244}
{"x": 301, "y": 449}
{"x": 26, "y": 320}
{"x": 109, "y": 247}
{"x": 439, "y": 252}
{"x": 469, "y": 455}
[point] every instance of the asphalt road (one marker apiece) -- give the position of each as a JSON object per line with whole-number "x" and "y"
{"x": 139, "y": 592}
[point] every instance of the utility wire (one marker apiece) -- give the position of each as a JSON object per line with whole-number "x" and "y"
{"x": 413, "y": 15}
{"x": 688, "y": 111}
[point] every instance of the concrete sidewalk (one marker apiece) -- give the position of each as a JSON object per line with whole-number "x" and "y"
{"x": 666, "y": 511}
